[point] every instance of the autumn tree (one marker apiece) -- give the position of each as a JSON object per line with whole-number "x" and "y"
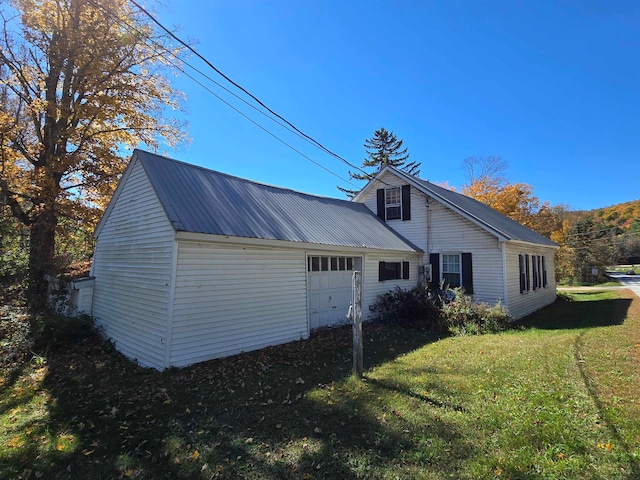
{"x": 84, "y": 82}
{"x": 487, "y": 184}
{"x": 384, "y": 148}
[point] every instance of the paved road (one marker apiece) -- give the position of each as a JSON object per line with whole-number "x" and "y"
{"x": 632, "y": 282}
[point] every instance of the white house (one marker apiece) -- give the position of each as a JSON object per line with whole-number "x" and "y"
{"x": 465, "y": 242}
{"x": 192, "y": 264}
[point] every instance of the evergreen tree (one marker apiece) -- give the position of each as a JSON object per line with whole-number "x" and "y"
{"x": 384, "y": 148}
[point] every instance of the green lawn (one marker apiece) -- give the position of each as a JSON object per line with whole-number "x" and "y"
{"x": 557, "y": 399}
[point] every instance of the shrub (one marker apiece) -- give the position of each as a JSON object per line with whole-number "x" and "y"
{"x": 57, "y": 331}
{"x": 462, "y": 316}
{"x": 410, "y": 308}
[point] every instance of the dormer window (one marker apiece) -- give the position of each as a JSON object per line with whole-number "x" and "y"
{"x": 393, "y": 203}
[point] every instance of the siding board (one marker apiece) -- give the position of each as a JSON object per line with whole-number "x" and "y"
{"x": 234, "y": 299}
{"x": 132, "y": 266}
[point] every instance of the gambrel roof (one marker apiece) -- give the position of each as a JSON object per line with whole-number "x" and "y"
{"x": 477, "y": 212}
{"x": 199, "y": 200}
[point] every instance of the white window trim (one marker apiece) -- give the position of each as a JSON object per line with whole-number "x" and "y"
{"x": 442, "y": 272}
{"x": 392, "y": 205}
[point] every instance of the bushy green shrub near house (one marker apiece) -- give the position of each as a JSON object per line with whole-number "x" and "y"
{"x": 448, "y": 311}
{"x": 464, "y": 316}
{"x": 410, "y": 308}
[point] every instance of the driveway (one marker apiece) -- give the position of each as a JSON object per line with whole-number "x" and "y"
{"x": 632, "y": 282}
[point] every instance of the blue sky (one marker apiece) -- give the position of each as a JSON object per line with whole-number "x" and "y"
{"x": 552, "y": 87}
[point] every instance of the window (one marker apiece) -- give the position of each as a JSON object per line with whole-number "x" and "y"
{"x": 451, "y": 271}
{"x": 454, "y": 269}
{"x": 393, "y": 203}
{"x": 326, "y": 264}
{"x": 393, "y": 271}
{"x": 532, "y": 275}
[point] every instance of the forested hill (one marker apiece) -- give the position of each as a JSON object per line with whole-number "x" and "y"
{"x": 625, "y": 216}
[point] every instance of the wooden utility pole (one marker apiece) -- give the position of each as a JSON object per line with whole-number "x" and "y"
{"x": 356, "y": 318}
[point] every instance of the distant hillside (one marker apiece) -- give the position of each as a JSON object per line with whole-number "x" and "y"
{"x": 622, "y": 215}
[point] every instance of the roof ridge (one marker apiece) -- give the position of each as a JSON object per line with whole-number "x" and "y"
{"x": 235, "y": 177}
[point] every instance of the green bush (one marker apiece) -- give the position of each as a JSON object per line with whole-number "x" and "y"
{"x": 449, "y": 311}
{"x": 462, "y": 316}
{"x": 410, "y": 308}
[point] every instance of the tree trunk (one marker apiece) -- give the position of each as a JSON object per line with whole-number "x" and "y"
{"x": 42, "y": 245}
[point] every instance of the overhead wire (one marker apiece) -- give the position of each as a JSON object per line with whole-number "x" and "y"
{"x": 256, "y": 99}
{"x": 155, "y": 46}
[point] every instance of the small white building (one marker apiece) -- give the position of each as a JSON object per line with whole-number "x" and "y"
{"x": 192, "y": 264}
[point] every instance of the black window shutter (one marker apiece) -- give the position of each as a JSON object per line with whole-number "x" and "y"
{"x": 535, "y": 271}
{"x": 381, "y": 209}
{"x": 544, "y": 273}
{"x": 381, "y": 272}
{"x": 434, "y": 260}
{"x": 467, "y": 273}
{"x": 526, "y": 272}
{"x": 406, "y": 202}
{"x": 539, "y": 271}
{"x": 405, "y": 270}
{"x": 521, "y": 273}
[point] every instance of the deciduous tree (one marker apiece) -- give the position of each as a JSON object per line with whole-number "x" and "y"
{"x": 487, "y": 184}
{"x": 83, "y": 84}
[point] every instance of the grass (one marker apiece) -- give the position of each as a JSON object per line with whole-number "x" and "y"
{"x": 556, "y": 398}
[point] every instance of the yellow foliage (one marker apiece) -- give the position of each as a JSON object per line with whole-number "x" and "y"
{"x": 83, "y": 85}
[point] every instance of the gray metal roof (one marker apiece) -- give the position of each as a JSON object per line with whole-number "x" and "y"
{"x": 205, "y": 201}
{"x": 486, "y": 216}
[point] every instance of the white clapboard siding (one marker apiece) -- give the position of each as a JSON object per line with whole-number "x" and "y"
{"x": 372, "y": 287}
{"x": 522, "y": 304}
{"x": 414, "y": 230}
{"x": 230, "y": 299}
{"x": 132, "y": 268}
{"x": 451, "y": 233}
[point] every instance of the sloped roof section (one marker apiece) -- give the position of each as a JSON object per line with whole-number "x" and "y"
{"x": 484, "y": 215}
{"x": 205, "y": 201}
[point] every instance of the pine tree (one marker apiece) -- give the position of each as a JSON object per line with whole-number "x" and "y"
{"x": 384, "y": 148}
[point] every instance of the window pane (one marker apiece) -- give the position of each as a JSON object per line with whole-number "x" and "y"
{"x": 324, "y": 264}
{"x": 393, "y": 270}
{"x": 315, "y": 264}
{"x": 393, "y": 196}
{"x": 334, "y": 263}
{"x": 451, "y": 264}
{"x": 349, "y": 263}
{"x": 341, "y": 263}
{"x": 451, "y": 279}
{"x": 394, "y": 213}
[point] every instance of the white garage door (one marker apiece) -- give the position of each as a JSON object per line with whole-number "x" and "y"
{"x": 329, "y": 289}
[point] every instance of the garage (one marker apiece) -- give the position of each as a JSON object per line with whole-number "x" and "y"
{"x": 329, "y": 289}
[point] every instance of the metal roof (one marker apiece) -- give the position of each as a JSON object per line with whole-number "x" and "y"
{"x": 199, "y": 200}
{"x": 484, "y": 215}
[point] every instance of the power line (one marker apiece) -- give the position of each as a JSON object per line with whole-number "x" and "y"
{"x": 211, "y": 65}
{"x": 176, "y": 65}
